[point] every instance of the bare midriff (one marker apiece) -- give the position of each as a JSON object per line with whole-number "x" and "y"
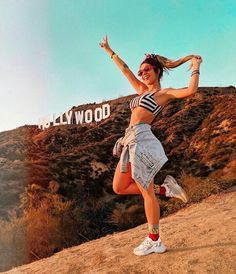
{"x": 141, "y": 115}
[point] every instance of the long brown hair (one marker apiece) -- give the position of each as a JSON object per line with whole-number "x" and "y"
{"x": 164, "y": 64}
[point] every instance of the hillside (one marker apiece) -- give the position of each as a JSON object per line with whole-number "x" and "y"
{"x": 200, "y": 239}
{"x": 57, "y": 183}
{"x": 197, "y": 134}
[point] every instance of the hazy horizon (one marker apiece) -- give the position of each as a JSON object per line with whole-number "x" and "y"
{"x": 51, "y": 59}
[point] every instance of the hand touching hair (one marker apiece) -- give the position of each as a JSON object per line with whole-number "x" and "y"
{"x": 165, "y": 64}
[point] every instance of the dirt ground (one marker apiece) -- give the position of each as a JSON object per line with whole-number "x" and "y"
{"x": 200, "y": 238}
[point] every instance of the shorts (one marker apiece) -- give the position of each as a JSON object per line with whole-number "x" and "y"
{"x": 145, "y": 153}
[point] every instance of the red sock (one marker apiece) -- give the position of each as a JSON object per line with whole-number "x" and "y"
{"x": 162, "y": 190}
{"x": 154, "y": 237}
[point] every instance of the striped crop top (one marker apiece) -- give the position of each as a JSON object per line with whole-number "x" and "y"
{"x": 146, "y": 101}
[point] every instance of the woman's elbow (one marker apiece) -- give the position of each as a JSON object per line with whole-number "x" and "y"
{"x": 192, "y": 91}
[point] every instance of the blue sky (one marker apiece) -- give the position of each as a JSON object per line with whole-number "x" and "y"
{"x": 50, "y": 58}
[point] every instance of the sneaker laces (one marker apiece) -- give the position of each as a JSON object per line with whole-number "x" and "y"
{"x": 146, "y": 242}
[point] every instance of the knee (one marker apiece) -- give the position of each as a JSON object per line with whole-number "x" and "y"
{"x": 117, "y": 189}
{"x": 148, "y": 195}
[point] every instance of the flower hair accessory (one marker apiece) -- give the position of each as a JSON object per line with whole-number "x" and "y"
{"x": 150, "y": 55}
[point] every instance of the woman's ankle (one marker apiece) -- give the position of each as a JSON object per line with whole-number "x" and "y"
{"x": 159, "y": 190}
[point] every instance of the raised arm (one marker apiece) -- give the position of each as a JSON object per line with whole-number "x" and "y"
{"x": 193, "y": 83}
{"x": 139, "y": 86}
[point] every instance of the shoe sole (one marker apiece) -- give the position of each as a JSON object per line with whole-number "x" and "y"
{"x": 178, "y": 188}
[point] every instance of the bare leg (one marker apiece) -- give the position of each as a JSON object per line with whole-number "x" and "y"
{"x": 151, "y": 204}
{"x": 152, "y": 242}
{"x": 123, "y": 182}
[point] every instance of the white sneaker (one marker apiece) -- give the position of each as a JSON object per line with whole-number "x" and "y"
{"x": 148, "y": 246}
{"x": 174, "y": 190}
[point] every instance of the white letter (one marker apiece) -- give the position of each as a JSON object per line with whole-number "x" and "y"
{"x": 44, "y": 122}
{"x": 106, "y": 108}
{"x": 79, "y": 117}
{"x": 69, "y": 116}
{"x": 61, "y": 119}
{"x": 40, "y": 123}
{"x": 55, "y": 123}
{"x": 98, "y": 114}
{"x": 88, "y": 116}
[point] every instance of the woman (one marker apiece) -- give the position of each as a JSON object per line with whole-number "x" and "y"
{"x": 141, "y": 153}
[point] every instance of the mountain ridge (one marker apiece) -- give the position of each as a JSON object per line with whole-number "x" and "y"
{"x": 71, "y": 168}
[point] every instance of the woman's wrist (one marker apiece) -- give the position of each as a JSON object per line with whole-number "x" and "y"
{"x": 109, "y": 51}
{"x": 195, "y": 71}
{"x": 113, "y": 54}
{"x": 196, "y": 67}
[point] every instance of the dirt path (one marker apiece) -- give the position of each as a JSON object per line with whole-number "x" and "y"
{"x": 200, "y": 239}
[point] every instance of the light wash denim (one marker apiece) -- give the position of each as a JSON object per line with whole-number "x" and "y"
{"x": 144, "y": 151}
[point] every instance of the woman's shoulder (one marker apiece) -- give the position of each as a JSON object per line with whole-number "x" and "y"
{"x": 164, "y": 90}
{"x": 162, "y": 96}
{"x": 161, "y": 92}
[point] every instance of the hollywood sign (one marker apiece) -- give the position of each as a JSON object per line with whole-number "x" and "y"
{"x": 75, "y": 117}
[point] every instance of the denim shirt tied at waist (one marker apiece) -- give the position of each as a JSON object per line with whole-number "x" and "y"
{"x": 123, "y": 145}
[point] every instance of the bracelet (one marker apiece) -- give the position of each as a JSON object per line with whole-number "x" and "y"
{"x": 113, "y": 53}
{"x": 195, "y": 72}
